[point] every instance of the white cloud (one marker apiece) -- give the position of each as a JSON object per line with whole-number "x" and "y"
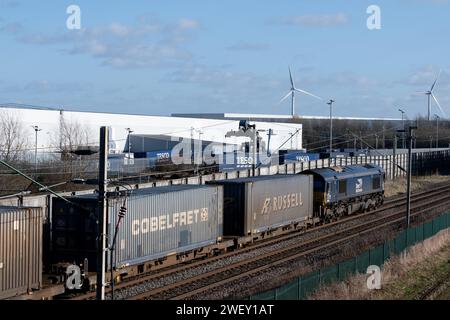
{"x": 43, "y": 86}
{"x": 148, "y": 43}
{"x": 188, "y": 24}
{"x": 9, "y": 3}
{"x": 222, "y": 78}
{"x": 319, "y": 20}
{"x": 344, "y": 80}
{"x": 12, "y": 28}
{"x": 425, "y": 77}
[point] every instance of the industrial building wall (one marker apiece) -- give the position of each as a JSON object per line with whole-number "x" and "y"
{"x": 207, "y": 129}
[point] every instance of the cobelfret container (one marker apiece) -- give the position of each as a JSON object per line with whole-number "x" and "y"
{"x": 20, "y": 250}
{"x": 159, "y": 222}
{"x": 257, "y": 204}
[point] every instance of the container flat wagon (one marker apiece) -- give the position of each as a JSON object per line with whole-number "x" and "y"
{"x": 162, "y": 226}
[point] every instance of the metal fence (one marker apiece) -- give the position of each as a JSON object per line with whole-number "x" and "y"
{"x": 142, "y": 169}
{"x": 305, "y": 285}
{"x": 427, "y": 162}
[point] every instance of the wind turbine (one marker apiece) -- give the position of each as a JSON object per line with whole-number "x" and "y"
{"x": 430, "y": 94}
{"x": 292, "y": 94}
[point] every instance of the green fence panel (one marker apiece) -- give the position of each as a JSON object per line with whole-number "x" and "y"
{"x": 268, "y": 295}
{"x": 386, "y": 250}
{"x": 376, "y": 256}
{"x": 288, "y": 292}
{"x": 362, "y": 262}
{"x": 410, "y": 237}
{"x": 302, "y": 287}
{"x": 400, "y": 242}
{"x": 443, "y": 222}
{"x": 436, "y": 225}
{"x": 309, "y": 284}
{"x": 419, "y": 233}
{"x": 427, "y": 229}
{"x": 391, "y": 245}
{"x": 346, "y": 268}
{"x": 329, "y": 275}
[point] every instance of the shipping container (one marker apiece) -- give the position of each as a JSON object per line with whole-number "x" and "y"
{"x": 258, "y": 204}
{"x": 240, "y": 160}
{"x": 159, "y": 222}
{"x": 334, "y": 154}
{"x": 20, "y": 250}
{"x": 356, "y": 152}
{"x": 297, "y": 156}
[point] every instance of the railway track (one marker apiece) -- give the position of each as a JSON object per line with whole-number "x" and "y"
{"x": 435, "y": 289}
{"x": 198, "y": 285}
{"x": 185, "y": 281}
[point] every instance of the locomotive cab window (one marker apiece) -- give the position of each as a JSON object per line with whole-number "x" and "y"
{"x": 343, "y": 186}
{"x": 376, "y": 182}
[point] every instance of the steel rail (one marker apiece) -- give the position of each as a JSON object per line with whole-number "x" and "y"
{"x": 389, "y": 205}
{"x": 284, "y": 254}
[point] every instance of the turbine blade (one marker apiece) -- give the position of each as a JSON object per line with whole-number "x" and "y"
{"x": 286, "y": 96}
{"x": 434, "y": 83}
{"x": 309, "y": 94}
{"x": 438, "y": 104}
{"x": 292, "y": 80}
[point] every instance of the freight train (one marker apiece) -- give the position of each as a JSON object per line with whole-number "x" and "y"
{"x": 169, "y": 225}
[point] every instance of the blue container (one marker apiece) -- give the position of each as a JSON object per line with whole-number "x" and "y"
{"x": 242, "y": 161}
{"x": 298, "y": 157}
{"x": 327, "y": 155}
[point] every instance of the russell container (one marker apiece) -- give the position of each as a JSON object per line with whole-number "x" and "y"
{"x": 257, "y": 204}
{"x": 20, "y": 250}
{"x": 159, "y": 222}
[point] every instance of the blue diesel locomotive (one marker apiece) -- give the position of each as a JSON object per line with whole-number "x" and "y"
{"x": 340, "y": 191}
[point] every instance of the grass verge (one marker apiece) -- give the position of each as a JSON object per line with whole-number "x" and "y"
{"x": 421, "y": 272}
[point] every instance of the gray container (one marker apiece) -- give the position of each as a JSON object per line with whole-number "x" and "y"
{"x": 159, "y": 222}
{"x": 20, "y": 250}
{"x": 257, "y": 204}
{"x": 165, "y": 221}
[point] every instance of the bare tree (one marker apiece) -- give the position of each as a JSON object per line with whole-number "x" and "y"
{"x": 12, "y": 137}
{"x": 71, "y": 136}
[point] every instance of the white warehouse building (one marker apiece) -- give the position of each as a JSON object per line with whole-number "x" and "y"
{"x": 50, "y": 121}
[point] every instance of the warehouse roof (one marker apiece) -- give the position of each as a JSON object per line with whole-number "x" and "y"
{"x": 271, "y": 116}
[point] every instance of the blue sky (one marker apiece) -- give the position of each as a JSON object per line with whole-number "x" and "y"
{"x": 160, "y": 57}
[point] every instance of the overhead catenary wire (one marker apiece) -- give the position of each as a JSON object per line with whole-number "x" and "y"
{"x": 34, "y": 181}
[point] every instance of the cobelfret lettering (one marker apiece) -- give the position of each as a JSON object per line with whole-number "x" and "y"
{"x": 168, "y": 221}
